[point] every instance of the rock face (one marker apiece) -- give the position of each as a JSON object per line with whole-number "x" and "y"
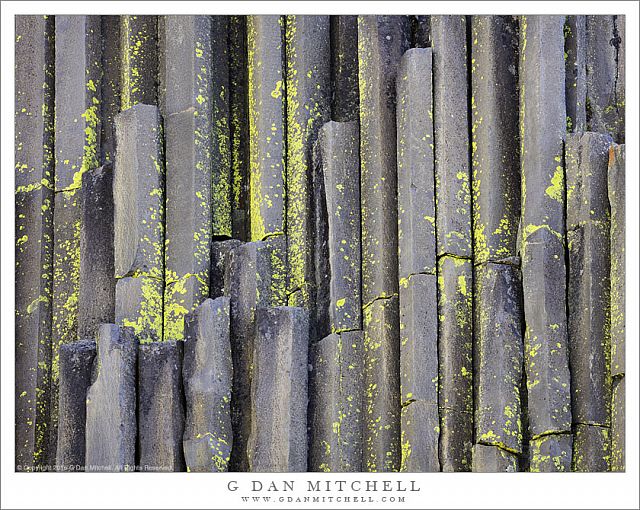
{"x": 416, "y": 177}
{"x": 542, "y": 234}
{"x": 450, "y": 118}
{"x": 160, "y": 407}
{"x": 251, "y": 287}
{"x": 111, "y": 402}
{"x": 76, "y": 368}
{"x": 327, "y": 243}
{"x": 308, "y": 107}
{"x": 34, "y": 200}
{"x": 278, "y": 439}
{"x": 207, "y": 373}
{"x": 138, "y": 194}
{"x": 336, "y": 403}
{"x": 97, "y": 283}
{"x": 495, "y": 178}
{"x": 455, "y": 355}
{"x": 337, "y": 230}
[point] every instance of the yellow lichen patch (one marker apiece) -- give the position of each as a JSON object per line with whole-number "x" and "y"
{"x": 556, "y": 190}
{"x": 180, "y": 298}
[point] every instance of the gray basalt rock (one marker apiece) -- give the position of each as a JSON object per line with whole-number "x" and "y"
{"x": 493, "y": 459}
{"x": 382, "y": 450}
{"x": 617, "y": 234}
{"x": 278, "y": 439}
{"x": 420, "y": 425}
{"x": 76, "y": 368}
{"x": 207, "y": 373}
{"x": 495, "y": 137}
{"x": 336, "y": 403}
{"x": 543, "y": 125}
{"x": 138, "y": 193}
{"x": 499, "y": 355}
{"x": 551, "y": 453}
{"x": 451, "y": 126}
{"x": 382, "y": 40}
{"x": 337, "y": 230}
{"x": 344, "y": 68}
{"x": 546, "y": 342}
{"x": 96, "y": 300}
{"x": 220, "y": 263}
{"x": 416, "y": 178}
{"x": 160, "y": 407}
{"x": 591, "y": 448}
{"x": 308, "y": 107}
{"x": 589, "y": 335}
{"x": 265, "y": 48}
{"x": 455, "y": 326}
{"x": 111, "y": 403}
{"x": 419, "y": 339}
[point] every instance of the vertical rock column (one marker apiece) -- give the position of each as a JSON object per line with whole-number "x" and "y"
{"x": 381, "y": 42}
{"x": 344, "y": 68}
{"x": 336, "y": 408}
{"x": 337, "y": 236}
{"x": 308, "y": 103}
{"x": 110, "y": 101}
{"x": 616, "y": 191}
{"x": 542, "y": 132}
{"x": 195, "y": 101}
{"x": 138, "y": 195}
{"x": 588, "y": 222}
{"x": 77, "y": 150}
{"x": 278, "y": 440}
{"x": 207, "y": 373}
{"x": 453, "y": 233}
{"x": 575, "y": 48}
{"x": 239, "y": 125}
{"x": 605, "y": 75}
{"x": 96, "y": 303}
{"x": 495, "y": 177}
{"x": 160, "y": 407}
{"x": 76, "y": 368}
{"x": 111, "y": 402}
{"x": 417, "y": 264}
{"x": 138, "y": 60}
{"x": 250, "y": 287}
{"x": 265, "y": 50}
{"x": 34, "y": 192}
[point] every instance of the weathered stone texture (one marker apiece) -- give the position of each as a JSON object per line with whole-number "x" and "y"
{"x": 416, "y": 178}
{"x": 96, "y": 299}
{"x": 451, "y": 117}
{"x": 308, "y": 97}
{"x": 278, "y": 439}
{"x": 499, "y": 356}
{"x": 160, "y": 407}
{"x": 111, "y": 402}
{"x": 337, "y": 230}
{"x": 76, "y": 369}
{"x": 382, "y": 40}
{"x": 495, "y": 171}
{"x": 336, "y": 403}
{"x": 208, "y": 373}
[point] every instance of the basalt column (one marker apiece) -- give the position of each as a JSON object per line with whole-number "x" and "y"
{"x": 77, "y": 150}
{"x": 495, "y": 177}
{"x": 381, "y": 42}
{"x": 453, "y": 233}
{"x": 417, "y": 264}
{"x": 34, "y": 192}
{"x": 542, "y": 133}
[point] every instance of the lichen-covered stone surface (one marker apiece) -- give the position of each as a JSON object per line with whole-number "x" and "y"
{"x": 326, "y": 243}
